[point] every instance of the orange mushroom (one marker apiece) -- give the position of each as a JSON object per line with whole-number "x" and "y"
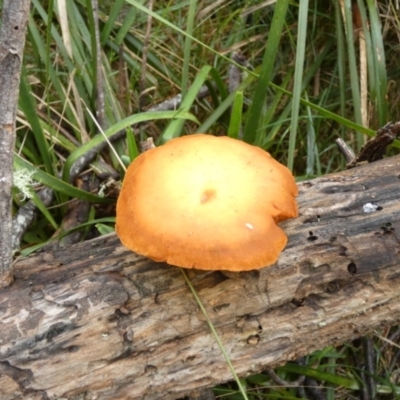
{"x": 206, "y": 202}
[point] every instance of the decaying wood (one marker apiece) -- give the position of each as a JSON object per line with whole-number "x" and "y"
{"x": 376, "y": 147}
{"x": 98, "y": 321}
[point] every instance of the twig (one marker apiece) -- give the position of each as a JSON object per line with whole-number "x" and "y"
{"x": 369, "y": 355}
{"x": 100, "y": 102}
{"x": 389, "y": 342}
{"x": 345, "y": 150}
{"x": 26, "y": 214}
{"x": 279, "y": 381}
{"x": 12, "y": 40}
{"x": 313, "y": 388}
{"x": 234, "y": 73}
{"x": 142, "y": 82}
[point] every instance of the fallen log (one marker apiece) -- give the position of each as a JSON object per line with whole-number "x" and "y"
{"x": 99, "y": 320}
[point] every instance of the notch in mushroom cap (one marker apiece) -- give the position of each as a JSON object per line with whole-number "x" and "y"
{"x": 206, "y": 202}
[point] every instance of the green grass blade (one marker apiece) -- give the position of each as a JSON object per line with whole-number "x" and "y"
{"x": 321, "y": 375}
{"x": 219, "y": 83}
{"x": 126, "y": 25}
{"x": 267, "y": 118}
{"x": 156, "y": 16}
{"x": 174, "y": 129}
{"x": 224, "y": 105}
{"x": 298, "y": 77}
{"x": 275, "y": 127}
{"x": 271, "y": 49}
{"x": 110, "y": 24}
{"x": 378, "y": 54}
{"x": 43, "y": 209}
{"x": 329, "y": 114}
{"x": 133, "y": 150}
{"x": 28, "y": 107}
{"x": 341, "y": 59}
{"x": 53, "y": 73}
{"x": 235, "y": 124}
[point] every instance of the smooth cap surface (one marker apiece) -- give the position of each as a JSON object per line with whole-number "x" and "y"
{"x": 206, "y": 202}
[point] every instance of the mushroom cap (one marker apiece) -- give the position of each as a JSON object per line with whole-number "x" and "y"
{"x": 206, "y": 202}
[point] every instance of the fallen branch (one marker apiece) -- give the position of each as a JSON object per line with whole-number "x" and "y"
{"x": 12, "y": 40}
{"x": 98, "y": 319}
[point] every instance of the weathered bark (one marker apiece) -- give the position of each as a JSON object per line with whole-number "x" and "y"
{"x": 12, "y": 40}
{"x": 98, "y": 319}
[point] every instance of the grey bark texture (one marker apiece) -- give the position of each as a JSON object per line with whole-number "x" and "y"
{"x": 12, "y": 40}
{"x": 96, "y": 321}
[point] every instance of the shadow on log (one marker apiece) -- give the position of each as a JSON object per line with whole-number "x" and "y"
{"x": 99, "y": 320}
